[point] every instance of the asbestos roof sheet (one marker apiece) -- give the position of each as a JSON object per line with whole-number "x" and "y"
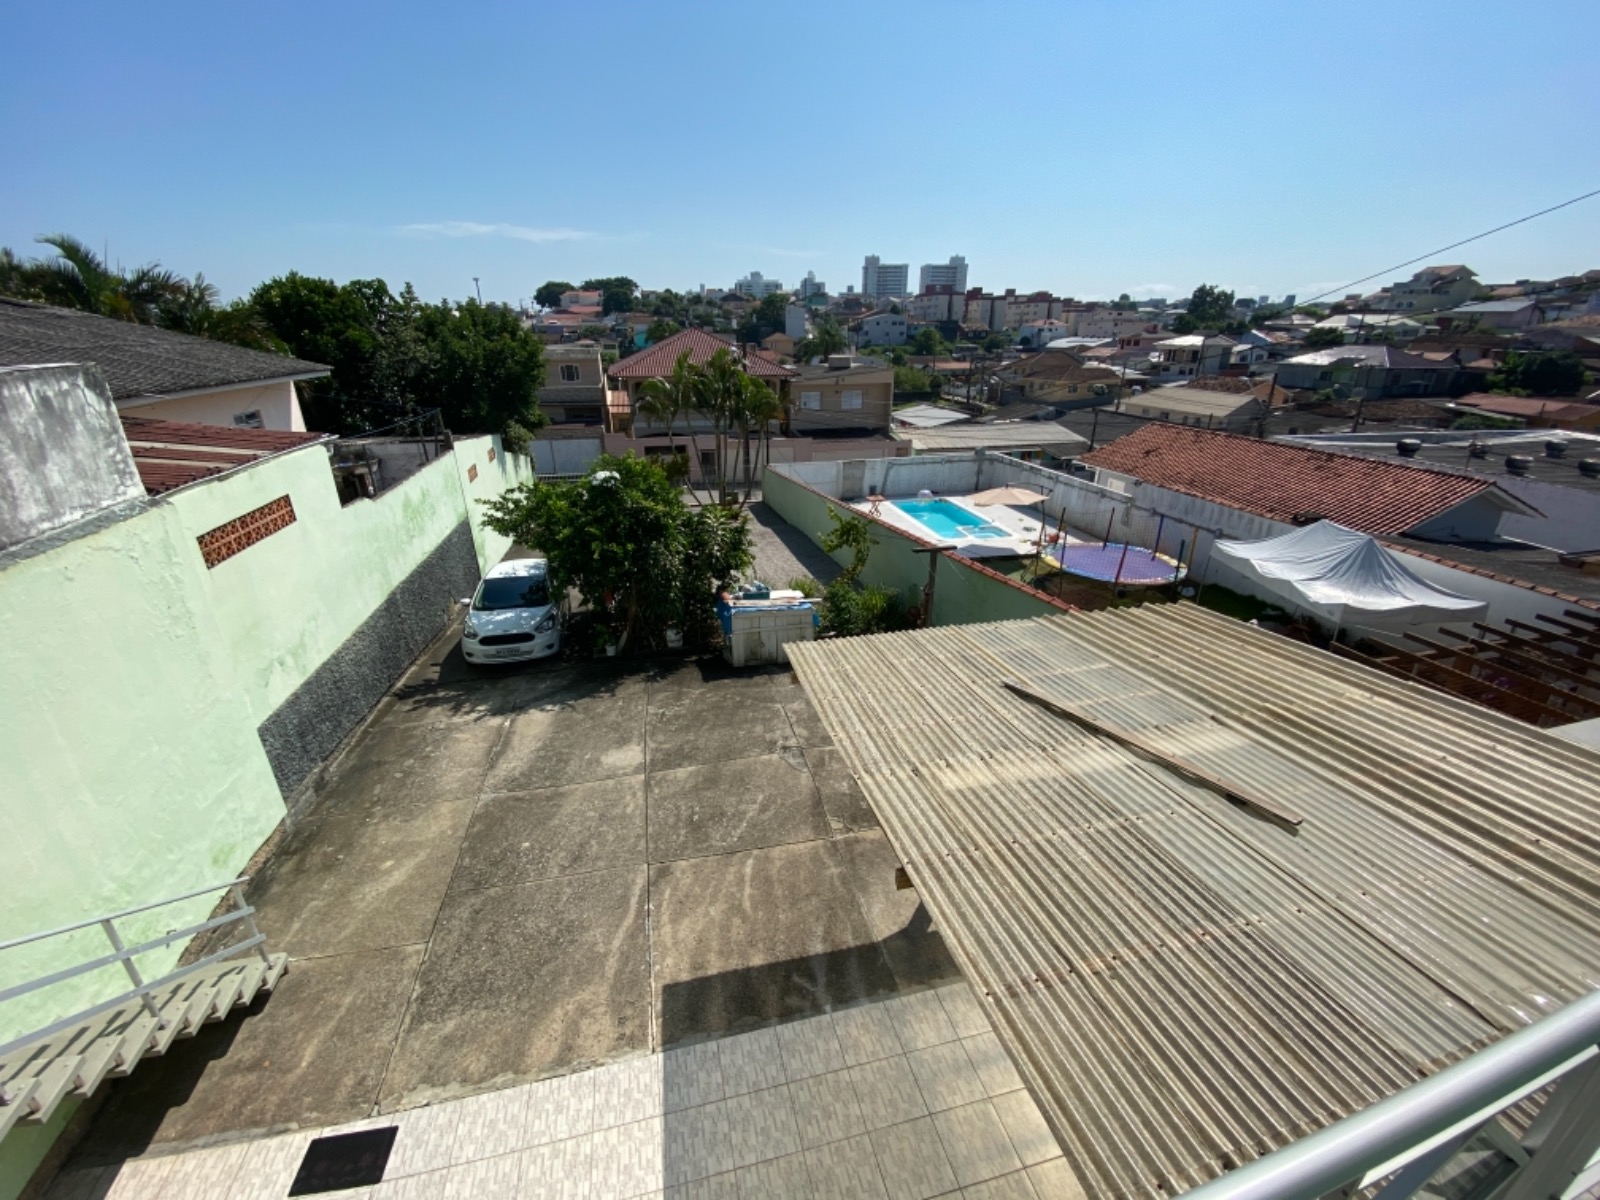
{"x": 1279, "y": 481}
{"x": 1186, "y": 984}
{"x": 137, "y": 360}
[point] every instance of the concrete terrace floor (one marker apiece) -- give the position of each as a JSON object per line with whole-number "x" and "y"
{"x": 514, "y": 875}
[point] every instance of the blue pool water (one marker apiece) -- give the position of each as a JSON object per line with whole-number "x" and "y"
{"x": 948, "y": 520}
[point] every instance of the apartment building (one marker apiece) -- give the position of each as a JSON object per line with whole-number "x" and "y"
{"x": 949, "y": 274}
{"x": 879, "y": 278}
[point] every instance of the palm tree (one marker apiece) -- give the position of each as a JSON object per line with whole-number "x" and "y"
{"x": 79, "y": 278}
{"x": 667, "y": 399}
{"x": 758, "y": 407}
{"x": 719, "y": 386}
{"x": 827, "y": 338}
{"x": 194, "y": 308}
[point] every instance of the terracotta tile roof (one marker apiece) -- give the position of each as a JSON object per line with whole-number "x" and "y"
{"x": 1279, "y": 481}
{"x": 656, "y": 361}
{"x": 1526, "y": 406}
{"x": 170, "y": 454}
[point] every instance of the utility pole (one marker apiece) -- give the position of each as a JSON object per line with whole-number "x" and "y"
{"x": 478, "y": 289}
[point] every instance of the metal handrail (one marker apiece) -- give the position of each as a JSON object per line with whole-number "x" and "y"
{"x": 126, "y": 912}
{"x": 1425, "y": 1117}
{"x": 143, "y": 990}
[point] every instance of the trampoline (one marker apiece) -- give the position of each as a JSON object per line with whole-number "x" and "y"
{"x": 1117, "y": 562}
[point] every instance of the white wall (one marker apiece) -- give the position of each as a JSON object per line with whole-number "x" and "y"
{"x": 277, "y": 402}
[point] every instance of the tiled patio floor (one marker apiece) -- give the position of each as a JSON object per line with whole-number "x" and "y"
{"x": 899, "y": 1099}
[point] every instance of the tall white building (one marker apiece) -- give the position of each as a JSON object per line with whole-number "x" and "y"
{"x": 885, "y": 279}
{"x": 754, "y": 284}
{"x": 953, "y": 273}
{"x": 812, "y": 286}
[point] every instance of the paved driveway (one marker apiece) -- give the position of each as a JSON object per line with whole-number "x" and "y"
{"x": 512, "y": 876}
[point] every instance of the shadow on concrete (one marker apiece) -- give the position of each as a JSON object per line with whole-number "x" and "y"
{"x": 752, "y": 997}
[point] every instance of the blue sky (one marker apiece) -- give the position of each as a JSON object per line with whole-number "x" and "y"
{"x": 1088, "y": 148}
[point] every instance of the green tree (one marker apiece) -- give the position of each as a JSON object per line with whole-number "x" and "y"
{"x": 549, "y": 294}
{"x": 326, "y": 323}
{"x": 623, "y": 537}
{"x": 1210, "y": 308}
{"x": 79, "y": 278}
{"x": 769, "y": 312}
{"x": 848, "y": 609}
{"x": 754, "y": 408}
{"x": 616, "y": 292}
{"x": 660, "y": 330}
{"x": 719, "y": 390}
{"x": 1539, "y": 373}
{"x": 671, "y": 396}
{"x": 482, "y": 369}
{"x": 995, "y": 343}
{"x": 194, "y": 307}
{"x": 928, "y": 342}
{"x": 1322, "y": 339}
{"x": 827, "y": 337}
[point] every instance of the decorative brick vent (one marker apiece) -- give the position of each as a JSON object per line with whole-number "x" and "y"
{"x": 472, "y": 473}
{"x": 222, "y": 543}
{"x": 491, "y": 453}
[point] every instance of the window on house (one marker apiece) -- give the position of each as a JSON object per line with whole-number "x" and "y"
{"x": 850, "y": 399}
{"x": 811, "y": 400}
{"x": 569, "y": 373}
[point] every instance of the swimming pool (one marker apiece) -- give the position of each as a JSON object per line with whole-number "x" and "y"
{"x": 948, "y": 520}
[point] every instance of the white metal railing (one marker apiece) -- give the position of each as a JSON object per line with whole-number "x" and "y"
{"x": 143, "y": 990}
{"x": 1401, "y": 1142}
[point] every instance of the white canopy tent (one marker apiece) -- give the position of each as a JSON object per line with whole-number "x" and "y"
{"x": 1345, "y": 577}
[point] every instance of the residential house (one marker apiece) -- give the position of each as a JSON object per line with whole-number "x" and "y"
{"x": 574, "y": 391}
{"x": 1060, "y": 379}
{"x": 1505, "y": 316}
{"x": 1201, "y": 407}
{"x": 628, "y": 375}
{"x": 1369, "y": 371}
{"x": 1113, "y": 323}
{"x": 1432, "y": 289}
{"x": 1362, "y": 327}
{"x": 585, "y": 302}
{"x": 842, "y": 395}
{"x": 1293, "y": 484}
{"x": 160, "y": 374}
{"x": 1041, "y": 333}
{"x": 1192, "y": 354}
{"x": 1537, "y": 412}
{"x": 881, "y": 329}
{"x": 780, "y": 343}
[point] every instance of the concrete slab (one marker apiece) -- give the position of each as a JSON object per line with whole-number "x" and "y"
{"x": 897, "y": 919}
{"x": 842, "y": 799}
{"x": 516, "y": 837}
{"x": 524, "y": 982}
{"x": 742, "y": 940}
{"x": 313, "y": 1053}
{"x": 362, "y": 876}
{"x": 803, "y": 719}
{"x": 594, "y": 730}
{"x": 737, "y": 805}
{"x": 689, "y": 726}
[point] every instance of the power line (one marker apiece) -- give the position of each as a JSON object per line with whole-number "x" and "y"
{"x": 1453, "y": 245}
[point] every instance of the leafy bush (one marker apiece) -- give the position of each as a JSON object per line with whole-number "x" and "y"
{"x": 641, "y": 558}
{"x": 805, "y": 585}
{"x": 848, "y": 610}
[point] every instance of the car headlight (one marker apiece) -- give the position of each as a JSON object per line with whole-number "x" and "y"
{"x": 470, "y": 634}
{"x": 547, "y": 624}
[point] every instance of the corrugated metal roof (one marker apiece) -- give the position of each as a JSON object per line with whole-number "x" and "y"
{"x": 1185, "y": 984}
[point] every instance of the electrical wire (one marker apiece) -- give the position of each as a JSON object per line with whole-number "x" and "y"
{"x": 1453, "y": 245}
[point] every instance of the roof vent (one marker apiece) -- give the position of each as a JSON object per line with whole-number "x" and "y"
{"x": 1518, "y": 464}
{"x": 1589, "y": 467}
{"x": 1555, "y": 448}
{"x": 1309, "y": 518}
{"x": 1408, "y": 447}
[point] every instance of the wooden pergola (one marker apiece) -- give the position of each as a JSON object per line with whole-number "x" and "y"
{"x": 1544, "y": 674}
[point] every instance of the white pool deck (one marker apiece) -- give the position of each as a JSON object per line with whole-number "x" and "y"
{"x": 1023, "y": 524}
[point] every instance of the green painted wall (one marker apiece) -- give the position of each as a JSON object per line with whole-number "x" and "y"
{"x": 130, "y": 767}
{"x": 962, "y": 595}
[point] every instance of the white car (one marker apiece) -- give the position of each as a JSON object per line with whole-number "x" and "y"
{"x": 512, "y": 617}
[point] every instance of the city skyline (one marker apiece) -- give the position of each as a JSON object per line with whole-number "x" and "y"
{"x": 401, "y": 160}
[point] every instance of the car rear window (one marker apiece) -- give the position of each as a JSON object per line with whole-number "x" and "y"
{"x": 513, "y": 591}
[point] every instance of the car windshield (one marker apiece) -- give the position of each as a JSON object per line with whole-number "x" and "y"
{"x": 512, "y": 591}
